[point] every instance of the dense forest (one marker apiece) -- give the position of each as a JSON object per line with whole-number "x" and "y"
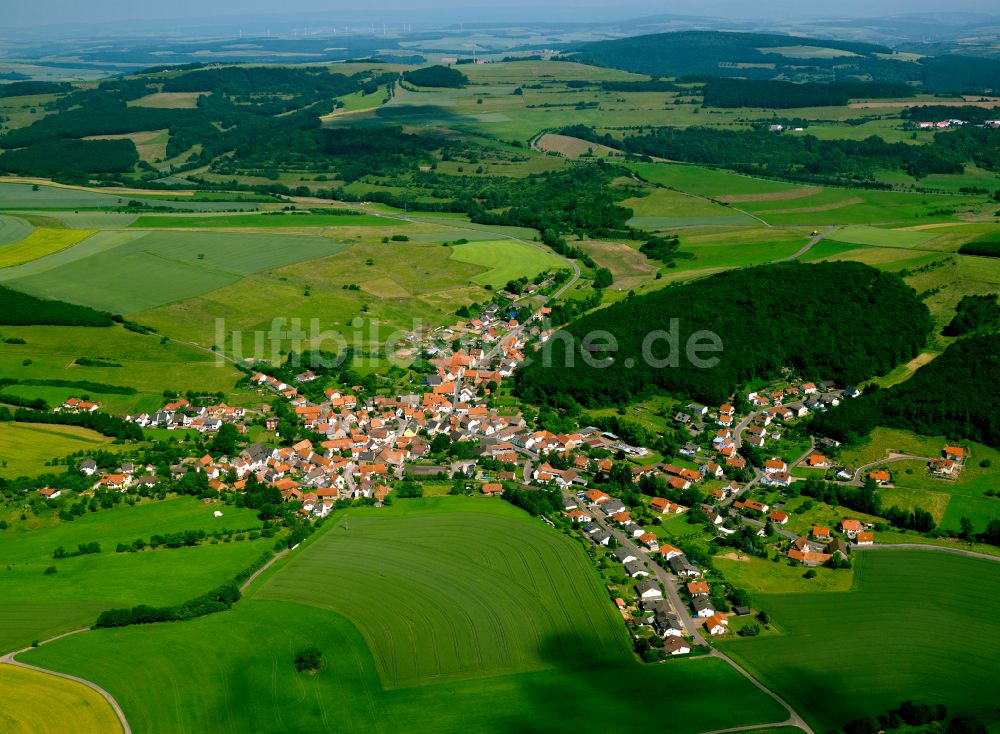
{"x": 805, "y": 157}
{"x": 20, "y": 309}
{"x": 703, "y": 54}
{"x": 780, "y": 94}
{"x": 26, "y": 88}
{"x": 988, "y": 246}
{"x": 955, "y": 395}
{"x": 255, "y": 116}
{"x": 436, "y": 76}
{"x": 975, "y": 313}
{"x": 841, "y": 321}
{"x": 75, "y": 159}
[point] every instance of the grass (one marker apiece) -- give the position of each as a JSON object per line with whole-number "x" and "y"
{"x": 261, "y": 221}
{"x": 487, "y": 599}
{"x": 26, "y": 447}
{"x": 13, "y": 229}
{"x": 515, "y": 665}
{"x": 40, "y": 243}
{"x": 761, "y": 576}
{"x": 46, "y": 704}
{"x": 909, "y": 612}
{"x": 875, "y": 236}
{"x": 34, "y": 605}
{"x": 148, "y": 364}
{"x": 506, "y": 260}
{"x": 132, "y": 271}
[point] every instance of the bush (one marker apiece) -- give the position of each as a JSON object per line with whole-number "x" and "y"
{"x": 50, "y": 570}
{"x": 810, "y": 574}
{"x": 309, "y": 660}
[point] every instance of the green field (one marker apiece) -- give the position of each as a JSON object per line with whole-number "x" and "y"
{"x": 465, "y": 617}
{"x": 127, "y": 272}
{"x": 24, "y": 196}
{"x": 909, "y": 612}
{"x": 26, "y": 447}
{"x": 35, "y": 606}
{"x": 506, "y": 260}
{"x": 13, "y": 229}
{"x": 496, "y": 624}
{"x": 260, "y": 221}
{"x": 149, "y": 364}
{"x": 39, "y": 243}
{"x": 46, "y": 704}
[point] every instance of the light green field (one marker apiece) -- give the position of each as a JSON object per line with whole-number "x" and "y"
{"x": 767, "y": 577}
{"x": 401, "y": 283}
{"x": 36, "y": 606}
{"x": 260, "y": 221}
{"x": 875, "y": 236}
{"x": 143, "y": 270}
{"x": 46, "y": 704}
{"x": 38, "y": 244}
{"x": 147, "y": 365}
{"x": 502, "y": 621}
{"x": 909, "y": 612}
{"x": 506, "y": 259}
{"x": 26, "y": 447}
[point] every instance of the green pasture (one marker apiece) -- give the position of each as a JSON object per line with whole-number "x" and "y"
{"x": 25, "y": 448}
{"x": 909, "y": 612}
{"x": 13, "y": 229}
{"x": 24, "y": 196}
{"x": 479, "y": 616}
{"x": 506, "y": 260}
{"x": 260, "y": 221}
{"x": 34, "y": 605}
{"x": 144, "y": 270}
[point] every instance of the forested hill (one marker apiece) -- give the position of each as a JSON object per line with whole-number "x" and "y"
{"x": 722, "y": 54}
{"x": 955, "y": 395}
{"x": 842, "y": 321}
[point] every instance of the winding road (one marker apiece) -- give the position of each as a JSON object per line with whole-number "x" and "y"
{"x": 8, "y": 659}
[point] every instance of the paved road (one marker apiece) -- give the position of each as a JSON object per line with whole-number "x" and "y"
{"x": 667, "y": 579}
{"x": 809, "y": 245}
{"x": 777, "y": 528}
{"x": 794, "y": 719}
{"x": 8, "y": 659}
{"x": 888, "y": 460}
{"x": 918, "y": 546}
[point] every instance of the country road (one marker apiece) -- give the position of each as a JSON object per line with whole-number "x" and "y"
{"x": 809, "y": 245}
{"x": 891, "y": 458}
{"x": 8, "y": 659}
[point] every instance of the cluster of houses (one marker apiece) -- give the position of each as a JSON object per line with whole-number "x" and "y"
{"x": 181, "y": 414}
{"x": 950, "y": 463}
{"x": 821, "y": 545}
{"x": 77, "y": 405}
{"x": 125, "y": 477}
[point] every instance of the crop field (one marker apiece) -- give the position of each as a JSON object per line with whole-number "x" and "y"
{"x": 128, "y": 272}
{"x": 43, "y": 196}
{"x": 46, "y": 704}
{"x": 26, "y": 447}
{"x": 908, "y": 613}
{"x": 261, "y": 221}
{"x": 399, "y": 283}
{"x": 500, "y": 595}
{"x": 34, "y": 605}
{"x": 148, "y": 364}
{"x": 515, "y": 662}
{"x": 876, "y": 237}
{"x": 13, "y": 229}
{"x": 506, "y": 260}
{"x": 39, "y": 243}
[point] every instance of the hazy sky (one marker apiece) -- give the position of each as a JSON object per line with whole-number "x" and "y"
{"x": 44, "y": 12}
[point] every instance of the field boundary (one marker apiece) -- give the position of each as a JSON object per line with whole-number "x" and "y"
{"x": 9, "y": 659}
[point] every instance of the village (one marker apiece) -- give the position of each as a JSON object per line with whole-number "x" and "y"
{"x": 452, "y": 429}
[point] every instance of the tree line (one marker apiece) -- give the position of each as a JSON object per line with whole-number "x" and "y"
{"x": 731, "y": 93}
